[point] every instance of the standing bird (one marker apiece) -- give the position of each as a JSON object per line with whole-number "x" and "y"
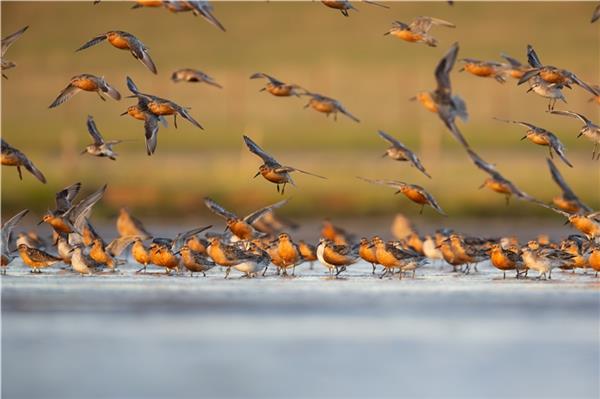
{"x": 86, "y": 82}
{"x": 241, "y": 228}
{"x": 568, "y": 201}
{"x": 195, "y": 262}
{"x": 504, "y": 259}
{"x": 496, "y": 182}
{"x": 552, "y": 74}
{"x": 193, "y": 75}
{"x": 540, "y": 136}
{"x": 160, "y": 106}
{"x": 441, "y": 101}
{"x": 399, "y": 152}
{"x": 129, "y": 225}
{"x": 99, "y": 148}
{"x": 13, "y": 157}
{"x": 36, "y": 259}
{"x": 418, "y": 30}
{"x": 345, "y": 5}
{"x": 6, "y": 43}
{"x": 336, "y": 257}
{"x": 124, "y": 41}
{"x": 277, "y": 87}
{"x": 413, "y": 192}
{"x": 327, "y": 105}
{"x": 272, "y": 170}
{"x": 589, "y": 130}
{"x": 83, "y": 263}
{"x": 7, "y": 228}
{"x": 484, "y": 69}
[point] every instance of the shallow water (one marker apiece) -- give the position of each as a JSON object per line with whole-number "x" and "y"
{"x": 441, "y": 334}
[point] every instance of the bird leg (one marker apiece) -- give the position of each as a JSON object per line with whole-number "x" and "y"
{"x": 20, "y": 174}
{"x": 100, "y": 95}
{"x": 175, "y": 120}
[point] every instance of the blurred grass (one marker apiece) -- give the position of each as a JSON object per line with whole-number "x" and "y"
{"x": 316, "y": 47}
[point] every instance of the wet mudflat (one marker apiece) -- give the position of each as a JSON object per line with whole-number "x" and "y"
{"x": 441, "y": 334}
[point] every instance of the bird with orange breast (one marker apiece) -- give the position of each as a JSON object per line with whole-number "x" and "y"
{"x": 515, "y": 68}
{"x": 278, "y": 88}
{"x": 308, "y": 252}
{"x": 345, "y": 5}
{"x": 418, "y": 30}
{"x": 392, "y": 257}
{"x": 589, "y": 129}
{"x": 241, "y": 227}
{"x": 336, "y": 258}
{"x": 366, "y": 251}
{"x": 413, "y": 192}
{"x": 13, "y": 157}
{"x": 129, "y": 225}
{"x": 593, "y": 258}
{"x": 504, "y": 260}
{"x": 36, "y": 259}
{"x": 327, "y": 105}
{"x": 86, "y": 82}
{"x": 336, "y": 234}
{"x": 441, "y": 101}
{"x": 288, "y": 254}
{"x": 484, "y": 69}
{"x": 124, "y": 41}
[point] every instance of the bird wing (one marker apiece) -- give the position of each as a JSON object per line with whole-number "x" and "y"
{"x": 10, "y": 39}
{"x": 91, "y": 126}
{"x": 32, "y": 168}
{"x": 442, "y": 72}
{"x": 596, "y": 14}
{"x": 140, "y": 53}
{"x": 573, "y": 115}
{"x": 582, "y": 84}
{"x": 84, "y": 208}
{"x": 255, "y": 149}
{"x": 533, "y": 58}
{"x": 285, "y": 169}
{"x": 118, "y": 245}
{"x": 384, "y": 182}
{"x": 185, "y": 114}
{"x": 93, "y": 42}
{"x": 218, "y": 209}
{"x": 256, "y": 215}
{"x": 64, "y": 198}
{"x": 64, "y": 95}
{"x": 512, "y": 61}
{"x": 204, "y": 8}
{"x": 8, "y": 227}
{"x": 181, "y": 238}
{"x": 111, "y": 91}
{"x": 343, "y": 110}
{"x": 560, "y": 181}
{"x": 151, "y": 132}
{"x": 559, "y": 148}
{"x": 259, "y": 75}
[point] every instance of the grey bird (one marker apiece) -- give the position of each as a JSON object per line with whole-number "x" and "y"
{"x": 589, "y": 130}
{"x": 193, "y": 76}
{"x": 99, "y": 147}
{"x": 399, "y": 152}
{"x": 7, "y": 255}
{"x": 6, "y": 43}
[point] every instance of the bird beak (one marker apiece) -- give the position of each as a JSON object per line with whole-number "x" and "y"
{"x": 397, "y": 192}
{"x": 124, "y": 113}
{"x": 386, "y": 33}
{"x": 40, "y": 222}
{"x": 226, "y": 228}
{"x": 414, "y": 98}
{"x": 482, "y": 186}
{"x": 263, "y": 89}
{"x": 523, "y": 138}
{"x": 177, "y": 252}
{"x": 384, "y": 155}
{"x": 579, "y": 135}
{"x": 566, "y": 222}
{"x": 83, "y": 152}
{"x": 256, "y": 175}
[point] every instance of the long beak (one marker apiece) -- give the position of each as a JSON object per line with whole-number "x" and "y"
{"x": 579, "y": 135}
{"x": 40, "y": 222}
{"x": 124, "y": 113}
{"x": 177, "y": 252}
{"x": 414, "y": 98}
{"x": 226, "y": 228}
{"x": 256, "y": 175}
{"x": 263, "y": 89}
{"x": 397, "y": 192}
{"x": 523, "y": 138}
{"x": 83, "y": 152}
{"x": 384, "y": 155}
{"x": 482, "y": 186}
{"x": 566, "y": 222}
{"x": 386, "y": 33}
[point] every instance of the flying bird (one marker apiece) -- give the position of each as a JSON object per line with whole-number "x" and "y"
{"x": 6, "y": 253}
{"x": 327, "y": 105}
{"x": 345, "y": 5}
{"x": 540, "y": 136}
{"x": 277, "y": 87}
{"x": 99, "y": 147}
{"x": 13, "y": 157}
{"x": 6, "y": 43}
{"x": 567, "y": 201}
{"x": 197, "y": 7}
{"x": 124, "y": 41}
{"x": 399, "y": 152}
{"x": 272, "y": 170}
{"x": 418, "y": 30}
{"x": 413, "y": 192}
{"x": 441, "y": 101}
{"x": 193, "y": 76}
{"x": 484, "y": 69}
{"x": 589, "y": 130}
{"x": 86, "y": 82}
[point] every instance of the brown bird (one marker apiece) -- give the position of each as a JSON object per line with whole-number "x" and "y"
{"x": 551, "y": 74}
{"x": 568, "y": 201}
{"x": 193, "y": 76}
{"x": 194, "y": 261}
{"x": 227, "y": 255}
{"x": 484, "y": 69}
{"x": 505, "y": 260}
{"x": 124, "y": 41}
{"x": 399, "y": 152}
{"x": 336, "y": 257}
{"x": 496, "y": 182}
{"x": 140, "y": 253}
{"x": 515, "y": 68}
{"x": 366, "y": 251}
{"x": 160, "y": 106}
{"x": 336, "y": 234}
{"x": 442, "y": 101}
{"x": 413, "y": 192}
{"x": 147, "y": 3}
{"x": 277, "y": 87}
{"x": 345, "y": 5}
{"x": 36, "y": 259}
{"x": 13, "y": 157}
{"x": 6, "y": 43}
{"x": 308, "y": 252}
{"x": 327, "y": 105}
{"x": 392, "y": 257}
{"x": 418, "y": 30}
{"x": 589, "y": 130}
{"x": 587, "y": 223}
{"x": 86, "y": 82}
{"x": 197, "y": 7}
{"x": 241, "y": 228}
{"x": 540, "y": 136}
{"x": 272, "y": 170}
{"x": 129, "y": 225}
{"x": 140, "y": 111}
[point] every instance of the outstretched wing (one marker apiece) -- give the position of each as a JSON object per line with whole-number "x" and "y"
{"x": 218, "y": 209}
{"x": 260, "y": 75}
{"x": 91, "y": 126}
{"x": 10, "y": 39}
{"x": 343, "y": 110}
{"x": 255, "y": 149}
{"x": 8, "y": 227}
{"x": 151, "y": 132}
{"x": 512, "y": 61}
{"x": 181, "y": 238}
{"x": 573, "y": 115}
{"x": 254, "y": 216}
{"x": 442, "y": 72}
{"x": 140, "y": 53}
{"x": 64, "y": 95}
{"x": 384, "y": 182}
{"x": 93, "y": 42}
{"x": 204, "y": 8}
{"x": 560, "y": 181}
{"x": 64, "y": 198}
{"x": 533, "y": 58}
{"x": 284, "y": 169}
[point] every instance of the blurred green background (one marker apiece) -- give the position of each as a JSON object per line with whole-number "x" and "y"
{"x": 314, "y": 46}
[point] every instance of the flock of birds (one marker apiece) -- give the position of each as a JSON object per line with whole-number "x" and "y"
{"x": 259, "y": 240}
